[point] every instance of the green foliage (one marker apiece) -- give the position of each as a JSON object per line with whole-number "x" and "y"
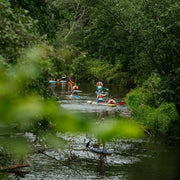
{"x": 99, "y": 68}
{"x": 121, "y": 127}
{"x": 24, "y": 109}
{"x": 81, "y": 66}
{"x": 18, "y": 31}
{"x": 47, "y": 14}
{"x": 150, "y": 109}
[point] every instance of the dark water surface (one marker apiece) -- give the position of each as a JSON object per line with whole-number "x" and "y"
{"x": 131, "y": 159}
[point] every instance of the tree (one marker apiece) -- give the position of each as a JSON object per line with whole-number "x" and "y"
{"x": 18, "y": 31}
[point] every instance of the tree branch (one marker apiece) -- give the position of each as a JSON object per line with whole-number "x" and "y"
{"x": 75, "y": 21}
{"x": 62, "y": 163}
{"x": 7, "y": 168}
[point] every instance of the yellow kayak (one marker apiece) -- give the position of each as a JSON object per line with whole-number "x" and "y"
{"x": 112, "y": 105}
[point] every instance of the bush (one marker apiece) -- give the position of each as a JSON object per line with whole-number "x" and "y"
{"x": 150, "y": 110}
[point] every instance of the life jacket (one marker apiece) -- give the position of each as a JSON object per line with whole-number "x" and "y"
{"x": 100, "y": 96}
{"x": 75, "y": 88}
{"x": 111, "y": 102}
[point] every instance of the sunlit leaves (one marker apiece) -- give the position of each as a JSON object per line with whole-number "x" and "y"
{"x": 117, "y": 128}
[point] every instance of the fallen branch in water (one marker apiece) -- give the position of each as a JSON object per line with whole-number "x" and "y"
{"x": 147, "y": 132}
{"x": 64, "y": 164}
{"x": 8, "y": 168}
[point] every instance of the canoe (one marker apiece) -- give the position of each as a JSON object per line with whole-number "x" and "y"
{"x": 96, "y": 103}
{"x": 112, "y": 105}
{"x": 100, "y": 151}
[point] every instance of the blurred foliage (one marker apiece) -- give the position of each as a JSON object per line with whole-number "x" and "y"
{"x": 23, "y": 108}
{"x": 117, "y": 128}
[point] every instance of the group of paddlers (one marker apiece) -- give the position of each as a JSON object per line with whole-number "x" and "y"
{"x": 74, "y": 89}
{"x": 71, "y": 88}
{"x": 100, "y": 94}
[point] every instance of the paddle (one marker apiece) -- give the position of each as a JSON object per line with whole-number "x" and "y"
{"x": 121, "y": 103}
{"x": 105, "y": 88}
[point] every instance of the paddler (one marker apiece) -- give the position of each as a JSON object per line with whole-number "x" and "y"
{"x": 70, "y": 83}
{"x": 75, "y": 88}
{"x": 63, "y": 78}
{"x": 99, "y": 86}
{"x": 99, "y": 97}
{"x": 112, "y": 101}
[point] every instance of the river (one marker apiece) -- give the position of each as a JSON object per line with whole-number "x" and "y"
{"x": 131, "y": 159}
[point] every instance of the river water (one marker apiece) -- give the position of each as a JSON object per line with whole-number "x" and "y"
{"x": 131, "y": 159}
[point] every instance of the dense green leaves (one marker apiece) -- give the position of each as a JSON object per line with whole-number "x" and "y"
{"x": 149, "y": 106}
{"x": 17, "y": 29}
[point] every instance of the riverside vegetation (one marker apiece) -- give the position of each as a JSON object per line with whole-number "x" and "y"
{"x": 132, "y": 43}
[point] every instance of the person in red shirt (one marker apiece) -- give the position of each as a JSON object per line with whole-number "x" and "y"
{"x": 70, "y": 83}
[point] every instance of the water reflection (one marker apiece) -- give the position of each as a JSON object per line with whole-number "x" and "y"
{"x": 100, "y": 147}
{"x": 100, "y": 167}
{"x": 63, "y": 87}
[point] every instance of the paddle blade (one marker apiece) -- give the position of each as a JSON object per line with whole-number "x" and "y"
{"x": 121, "y": 103}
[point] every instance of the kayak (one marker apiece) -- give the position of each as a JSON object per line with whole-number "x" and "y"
{"x": 62, "y": 81}
{"x": 96, "y": 103}
{"x": 51, "y": 81}
{"x": 101, "y": 151}
{"x": 75, "y": 97}
{"x": 112, "y": 105}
